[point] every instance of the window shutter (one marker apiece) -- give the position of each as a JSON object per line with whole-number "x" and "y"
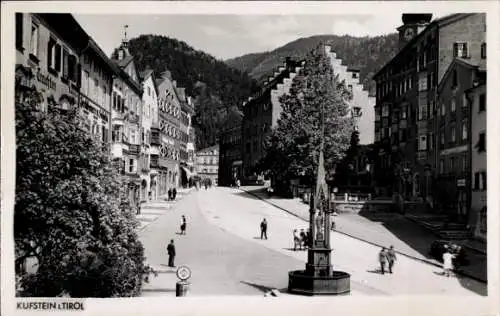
{"x": 465, "y": 50}
{"x": 455, "y": 50}
{"x": 58, "y": 57}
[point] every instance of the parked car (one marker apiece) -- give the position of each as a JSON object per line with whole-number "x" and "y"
{"x": 438, "y": 248}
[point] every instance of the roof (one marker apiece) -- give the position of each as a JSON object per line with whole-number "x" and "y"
{"x": 124, "y": 62}
{"x": 456, "y": 61}
{"x": 145, "y": 74}
{"x": 438, "y": 22}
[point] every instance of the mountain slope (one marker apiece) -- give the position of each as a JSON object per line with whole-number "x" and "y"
{"x": 368, "y": 54}
{"x": 216, "y": 87}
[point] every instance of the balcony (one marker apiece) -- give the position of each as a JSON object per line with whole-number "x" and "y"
{"x": 134, "y": 149}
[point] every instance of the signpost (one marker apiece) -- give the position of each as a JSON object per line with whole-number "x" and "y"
{"x": 182, "y": 287}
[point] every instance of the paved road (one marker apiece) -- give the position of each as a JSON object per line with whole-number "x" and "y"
{"x": 239, "y": 213}
{"x": 221, "y": 262}
{"x": 226, "y": 257}
{"x": 382, "y": 229}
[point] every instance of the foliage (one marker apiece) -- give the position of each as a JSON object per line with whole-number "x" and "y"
{"x": 368, "y": 54}
{"x": 292, "y": 150}
{"x": 71, "y": 210}
{"x": 222, "y": 86}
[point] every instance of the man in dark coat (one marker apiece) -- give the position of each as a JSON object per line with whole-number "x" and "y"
{"x": 174, "y": 194}
{"x": 171, "y": 253}
{"x": 169, "y": 194}
{"x": 263, "y": 229}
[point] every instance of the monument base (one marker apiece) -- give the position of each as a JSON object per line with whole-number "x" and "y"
{"x": 299, "y": 282}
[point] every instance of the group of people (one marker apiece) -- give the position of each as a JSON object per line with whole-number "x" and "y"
{"x": 172, "y": 193}
{"x": 301, "y": 240}
{"x": 387, "y": 257}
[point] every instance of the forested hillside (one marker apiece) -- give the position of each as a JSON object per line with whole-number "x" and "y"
{"x": 368, "y": 54}
{"x": 217, "y": 87}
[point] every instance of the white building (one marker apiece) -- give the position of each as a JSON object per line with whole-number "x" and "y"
{"x": 362, "y": 105}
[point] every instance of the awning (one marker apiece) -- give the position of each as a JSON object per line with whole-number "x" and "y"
{"x": 189, "y": 174}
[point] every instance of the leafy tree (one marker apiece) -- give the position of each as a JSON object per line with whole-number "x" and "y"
{"x": 292, "y": 150}
{"x": 71, "y": 210}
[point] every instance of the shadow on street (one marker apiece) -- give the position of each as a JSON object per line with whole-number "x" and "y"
{"x": 406, "y": 231}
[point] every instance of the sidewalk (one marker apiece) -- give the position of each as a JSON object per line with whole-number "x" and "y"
{"x": 380, "y": 229}
{"x": 151, "y": 210}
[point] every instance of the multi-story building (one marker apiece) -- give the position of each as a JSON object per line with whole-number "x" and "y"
{"x": 361, "y": 104}
{"x": 149, "y": 121}
{"x": 48, "y": 56}
{"x": 169, "y": 115}
{"x": 230, "y": 147}
{"x": 127, "y": 105}
{"x": 207, "y": 163}
{"x": 477, "y": 98}
{"x": 186, "y": 147}
{"x": 191, "y": 144}
{"x": 453, "y": 130}
{"x": 261, "y": 114}
{"x": 406, "y": 120}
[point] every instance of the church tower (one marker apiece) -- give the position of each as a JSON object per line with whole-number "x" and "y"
{"x": 413, "y": 24}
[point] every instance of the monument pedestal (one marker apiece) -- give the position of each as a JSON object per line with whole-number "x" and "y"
{"x": 319, "y": 278}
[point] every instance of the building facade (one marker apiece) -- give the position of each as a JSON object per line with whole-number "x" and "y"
{"x": 169, "y": 134}
{"x": 406, "y": 122}
{"x": 453, "y": 177}
{"x": 478, "y": 212}
{"x": 207, "y": 164}
{"x": 261, "y": 114}
{"x": 127, "y": 122}
{"x": 48, "y": 57}
{"x": 361, "y": 104}
{"x": 149, "y": 188}
{"x": 186, "y": 146}
{"x": 230, "y": 149}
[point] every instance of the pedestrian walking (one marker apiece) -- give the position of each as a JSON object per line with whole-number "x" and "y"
{"x": 183, "y": 225}
{"x": 174, "y": 193}
{"x": 296, "y": 240}
{"x": 238, "y": 183}
{"x": 263, "y": 229}
{"x": 382, "y": 258}
{"x": 391, "y": 257}
{"x": 303, "y": 237}
{"x": 171, "y": 253}
{"x": 447, "y": 262}
{"x": 169, "y": 194}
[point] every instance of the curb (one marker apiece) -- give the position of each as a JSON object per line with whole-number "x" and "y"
{"x": 369, "y": 242}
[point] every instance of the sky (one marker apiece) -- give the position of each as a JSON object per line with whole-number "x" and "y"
{"x": 230, "y": 35}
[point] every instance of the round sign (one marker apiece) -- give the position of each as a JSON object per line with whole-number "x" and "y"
{"x": 183, "y": 273}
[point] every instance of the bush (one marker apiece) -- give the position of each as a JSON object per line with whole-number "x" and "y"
{"x": 71, "y": 210}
